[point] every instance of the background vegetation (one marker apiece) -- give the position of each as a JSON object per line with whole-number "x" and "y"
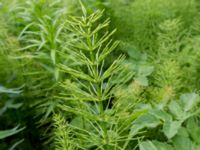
{"x": 99, "y": 74}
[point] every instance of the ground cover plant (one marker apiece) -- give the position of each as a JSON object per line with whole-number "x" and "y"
{"x": 99, "y": 74}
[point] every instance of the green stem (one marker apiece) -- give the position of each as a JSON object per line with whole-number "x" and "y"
{"x": 99, "y": 94}
{"x": 101, "y": 109}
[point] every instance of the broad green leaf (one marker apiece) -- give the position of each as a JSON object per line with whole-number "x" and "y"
{"x": 160, "y": 114}
{"x": 154, "y": 145}
{"x": 170, "y": 128}
{"x": 194, "y": 130}
{"x": 147, "y": 145}
{"x": 145, "y": 121}
{"x": 175, "y": 109}
{"x": 145, "y": 70}
{"x": 162, "y": 145}
{"x": 184, "y": 143}
{"x": 132, "y": 52}
{"x": 183, "y": 132}
{"x": 142, "y": 80}
{"x": 189, "y": 100}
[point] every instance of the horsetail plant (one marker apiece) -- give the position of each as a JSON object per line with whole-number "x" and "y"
{"x": 99, "y": 121}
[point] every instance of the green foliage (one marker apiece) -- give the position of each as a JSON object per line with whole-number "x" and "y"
{"x": 171, "y": 118}
{"x": 138, "y": 21}
{"x": 9, "y": 105}
{"x": 89, "y": 95}
{"x": 6, "y": 133}
{"x": 41, "y": 24}
{"x": 63, "y": 137}
{"x": 88, "y": 82}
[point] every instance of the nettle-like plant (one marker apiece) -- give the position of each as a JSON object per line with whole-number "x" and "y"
{"x": 173, "y": 122}
{"x": 98, "y": 115}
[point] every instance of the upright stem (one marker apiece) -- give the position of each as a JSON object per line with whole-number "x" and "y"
{"x": 100, "y": 102}
{"x": 99, "y": 92}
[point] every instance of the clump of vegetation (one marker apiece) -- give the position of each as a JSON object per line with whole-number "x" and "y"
{"x": 99, "y": 75}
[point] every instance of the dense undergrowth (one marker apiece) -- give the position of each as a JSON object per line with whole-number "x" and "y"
{"x": 99, "y": 74}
